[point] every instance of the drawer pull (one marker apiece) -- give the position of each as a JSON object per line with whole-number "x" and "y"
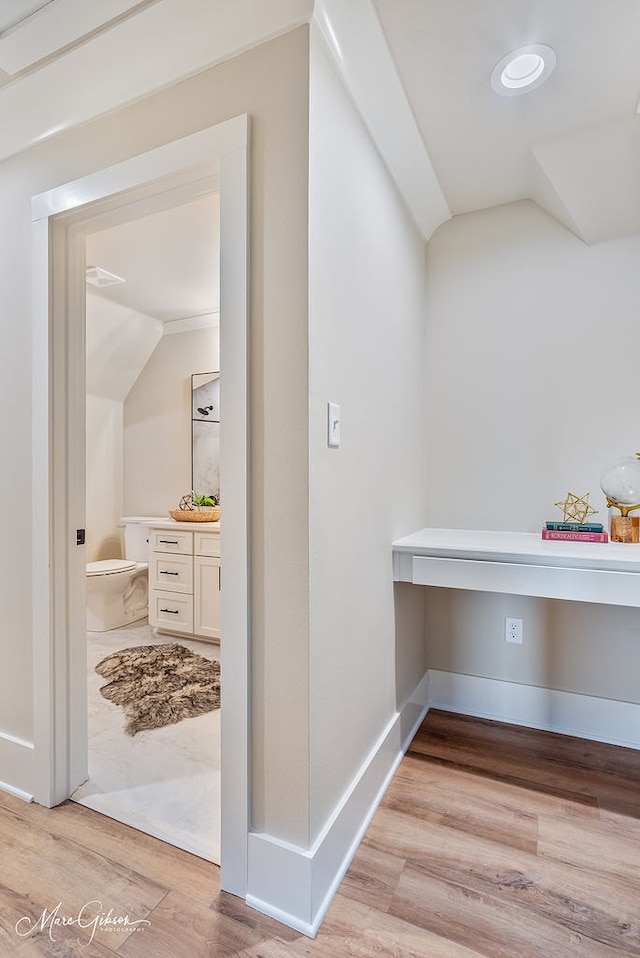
{"x": 166, "y": 572}
{"x": 171, "y": 611}
{"x": 169, "y": 542}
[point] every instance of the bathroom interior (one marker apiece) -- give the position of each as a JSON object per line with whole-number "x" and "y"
{"x": 152, "y": 436}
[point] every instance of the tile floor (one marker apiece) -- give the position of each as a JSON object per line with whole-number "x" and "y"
{"x": 165, "y": 782}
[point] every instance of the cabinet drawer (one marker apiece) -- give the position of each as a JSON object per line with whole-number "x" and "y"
{"x": 171, "y": 610}
{"x": 165, "y": 540}
{"x": 207, "y": 543}
{"x": 172, "y": 573}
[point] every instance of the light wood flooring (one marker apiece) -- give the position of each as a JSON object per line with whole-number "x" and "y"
{"x": 492, "y": 840}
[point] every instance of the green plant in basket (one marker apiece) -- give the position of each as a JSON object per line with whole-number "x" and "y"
{"x": 207, "y": 501}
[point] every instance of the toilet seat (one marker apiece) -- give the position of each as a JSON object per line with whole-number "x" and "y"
{"x": 110, "y": 566}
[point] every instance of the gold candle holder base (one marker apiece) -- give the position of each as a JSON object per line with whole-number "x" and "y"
{"x": 625, "y": 529}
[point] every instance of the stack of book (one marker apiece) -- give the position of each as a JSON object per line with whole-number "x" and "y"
{"x": 575, "y": 532}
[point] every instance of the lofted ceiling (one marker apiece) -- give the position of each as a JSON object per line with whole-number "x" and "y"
{"x": 14, "y": 12}
{"x": 418, "y": 71}
{"x": 170, "y": 262}
{"x": 572, "y": 144}
{"x": 35, "y": 31}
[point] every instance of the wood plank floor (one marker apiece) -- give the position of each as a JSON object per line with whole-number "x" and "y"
{"x": 491, "y": 841}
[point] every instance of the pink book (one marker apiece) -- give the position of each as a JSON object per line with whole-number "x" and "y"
{"x": 566, "y": 535}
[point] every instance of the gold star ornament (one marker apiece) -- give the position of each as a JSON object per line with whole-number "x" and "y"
{"x": 576, "y": 508}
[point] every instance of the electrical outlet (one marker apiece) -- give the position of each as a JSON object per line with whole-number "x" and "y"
{"x": 513, "y": 630}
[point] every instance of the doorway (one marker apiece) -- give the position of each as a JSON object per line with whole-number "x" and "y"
{"x": 212, "y": 159}
{"x": 152, "y": 320}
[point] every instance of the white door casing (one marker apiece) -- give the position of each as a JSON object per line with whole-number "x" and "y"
{"x": 212, "y": 159}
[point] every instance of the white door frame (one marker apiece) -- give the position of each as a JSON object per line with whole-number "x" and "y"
{"x": 62, "y": 217}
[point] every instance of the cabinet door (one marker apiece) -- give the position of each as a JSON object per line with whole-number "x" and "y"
{"x": 206, "y": 598}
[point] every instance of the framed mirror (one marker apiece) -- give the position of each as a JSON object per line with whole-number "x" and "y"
{"x": 205, "y": 433}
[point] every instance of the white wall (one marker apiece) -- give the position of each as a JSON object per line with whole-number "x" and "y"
{"x": 270, "y": 83}
{"x": 530, "y": 372}
{"x": 532, "y": 389}
{"x": 139, "y": 451}
{"x": 366, "y": 316}
{"x": 104, "y": 478}
{"x": 570, "y": 646}
{"x": 157, "y": 422}
{"x": 119, "y": 343}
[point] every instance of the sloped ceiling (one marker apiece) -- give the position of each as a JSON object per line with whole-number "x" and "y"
{"x": 14, "y": 12}
{"x": 417, "y": 69}
{"x": 77, "y": 59}
{"x": 120, "y": 342}
{"x": 170, "y": 263}
{"x": 572, "y": 144}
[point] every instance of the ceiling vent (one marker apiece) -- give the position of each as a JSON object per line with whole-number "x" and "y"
{"x": 102, "y": 277}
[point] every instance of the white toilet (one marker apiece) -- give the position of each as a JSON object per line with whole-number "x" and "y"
{"x": 118, "y": 589}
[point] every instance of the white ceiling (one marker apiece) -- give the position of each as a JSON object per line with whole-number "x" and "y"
{"x": 84, "y": 58}
{"x": 170, "y": 262}
{"x": 13, "y": 12}
{"x": 577, "y": 133}
{"x": 572, "y": 144}
{"x": 32, "y": 31}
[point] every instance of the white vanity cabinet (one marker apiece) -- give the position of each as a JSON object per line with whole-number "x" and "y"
{"x": 185, "y": 578}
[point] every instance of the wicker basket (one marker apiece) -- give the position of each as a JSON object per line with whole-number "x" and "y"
{"x": 195, "y": 515}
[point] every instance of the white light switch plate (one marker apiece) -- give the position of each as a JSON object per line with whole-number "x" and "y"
{"x": 333, "y": 424}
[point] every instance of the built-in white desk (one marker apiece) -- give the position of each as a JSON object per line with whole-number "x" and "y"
{"x": 520, "y": 563}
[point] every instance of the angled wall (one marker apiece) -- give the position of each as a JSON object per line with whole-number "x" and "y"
{"x": 366, "y": 337}
{"x": 366, "y": 317}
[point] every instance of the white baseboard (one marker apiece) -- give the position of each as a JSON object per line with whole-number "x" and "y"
{"x": 305, "y": 880}
{"x": 16, "y": 766}
{"x": 585, "y": 716}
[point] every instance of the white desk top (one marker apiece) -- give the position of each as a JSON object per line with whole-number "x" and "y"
{"x": 520, "y": 547}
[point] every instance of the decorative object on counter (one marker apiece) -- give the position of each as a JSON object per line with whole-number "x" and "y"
{"x": 576, "y": 508}
{"x": 625, "y": 528}
{"x": 195, "y": 507}
{"x": 160, "y": 685}
{"x": 573, "y": 528}
{"x": 575, "y": 535}
{"x": 620, "y": 483}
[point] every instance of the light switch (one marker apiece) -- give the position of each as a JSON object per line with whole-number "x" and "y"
{"x": 333, "y": 424}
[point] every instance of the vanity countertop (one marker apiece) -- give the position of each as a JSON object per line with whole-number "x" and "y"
{"x": 186, "y": 526}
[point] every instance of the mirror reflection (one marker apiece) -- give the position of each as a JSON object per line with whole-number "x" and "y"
{"x": 205, "y": 433}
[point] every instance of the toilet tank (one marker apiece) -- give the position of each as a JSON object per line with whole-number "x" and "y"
{"x": 136, "y": 536}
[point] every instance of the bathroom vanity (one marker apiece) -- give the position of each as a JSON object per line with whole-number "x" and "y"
{"x": 185, "y": 578}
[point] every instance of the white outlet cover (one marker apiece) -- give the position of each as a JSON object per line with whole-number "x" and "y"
{"x": 513, "y": 630}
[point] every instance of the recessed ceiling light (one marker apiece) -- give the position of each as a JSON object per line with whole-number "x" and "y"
{"x": 98, "y": 276}
{"x": 523, "y": 69}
